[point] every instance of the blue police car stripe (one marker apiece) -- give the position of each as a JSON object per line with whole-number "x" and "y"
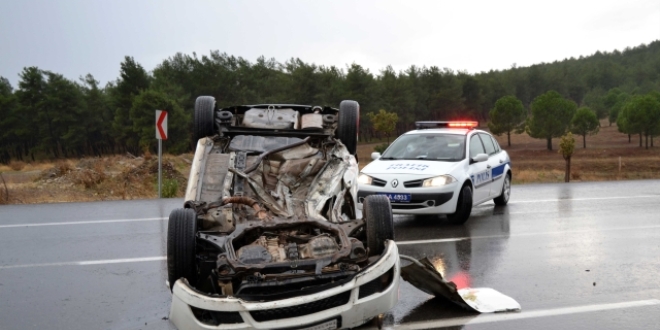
{"x": 499, "y": 170}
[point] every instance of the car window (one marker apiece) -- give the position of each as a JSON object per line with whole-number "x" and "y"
{"x": 497, "y": 145}
{"x": 476, "y": 147}
{"x": 488, "y": 143}
{"x": 440, "y": 147}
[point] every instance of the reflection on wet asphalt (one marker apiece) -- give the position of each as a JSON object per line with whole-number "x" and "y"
{"x": 544, "y": 254}
{"x": 554, "y": 246}
{"x": 452, "y": 259}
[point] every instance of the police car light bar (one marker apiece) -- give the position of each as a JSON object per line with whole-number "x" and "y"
{"x": 446, "y": 124}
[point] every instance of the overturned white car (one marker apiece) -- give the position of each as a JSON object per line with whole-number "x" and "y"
{"x": 268, "y": 236}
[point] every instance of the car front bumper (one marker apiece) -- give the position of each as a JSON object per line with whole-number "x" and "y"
{"x": 436, "y": 201}
{"x": 344, "y": 303}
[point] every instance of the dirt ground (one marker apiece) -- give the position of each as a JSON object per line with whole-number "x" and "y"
{"x": 532, "y": 162}
{"x": 608, "y": 156}
{"x": 92, "y": 179}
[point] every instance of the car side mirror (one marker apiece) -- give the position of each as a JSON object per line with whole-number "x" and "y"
{"x": 375, "y": 155}
{"x": 479, "y": 158}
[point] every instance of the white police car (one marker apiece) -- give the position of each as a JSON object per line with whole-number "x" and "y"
{"x": 439, "y": 168}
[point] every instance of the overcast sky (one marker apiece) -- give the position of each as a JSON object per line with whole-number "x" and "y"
{"x": 76, "y": 37}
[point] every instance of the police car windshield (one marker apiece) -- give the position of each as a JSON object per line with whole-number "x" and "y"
{"x": 439, "y": 147}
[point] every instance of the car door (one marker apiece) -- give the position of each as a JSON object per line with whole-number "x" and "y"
{"x": 480, "y": 172}
{"x": 494, "y": 165}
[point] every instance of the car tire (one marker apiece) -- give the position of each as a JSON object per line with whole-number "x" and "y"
{"x": 181, "y": 231}
{"x": 503, "y": 198}
{"x": 348, "y": 124}
{"x": 204, "y": 121}
{"x": 379, "y": 222}
{"x": 463, "y": 206}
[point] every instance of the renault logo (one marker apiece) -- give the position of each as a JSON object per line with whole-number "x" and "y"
{"x": 395, "y": 183}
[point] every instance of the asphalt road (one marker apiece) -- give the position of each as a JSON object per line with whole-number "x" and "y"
{"x": 575, "y": 256}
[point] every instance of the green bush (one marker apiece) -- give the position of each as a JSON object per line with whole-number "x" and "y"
{"x": 170, "y": 188}
{"x": 381, "y": 147}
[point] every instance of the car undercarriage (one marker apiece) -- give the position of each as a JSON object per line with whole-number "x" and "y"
{"x": 270, "y": 211}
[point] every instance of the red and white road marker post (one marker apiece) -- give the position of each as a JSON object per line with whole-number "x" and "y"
{"x": 161, "y": 134}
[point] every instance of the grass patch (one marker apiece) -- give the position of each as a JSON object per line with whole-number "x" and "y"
{"x": 170, "y": 188}
{"x": 16, "y": 165}
{"x": 93, "y": 179}
{"x": 381, "y": 147}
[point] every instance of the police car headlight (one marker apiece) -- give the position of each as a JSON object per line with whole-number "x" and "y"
{"x": 364, "y": 179}
{"x": 438, "y": 181}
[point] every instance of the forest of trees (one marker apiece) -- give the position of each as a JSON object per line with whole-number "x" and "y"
{"x": 50, "y": 116}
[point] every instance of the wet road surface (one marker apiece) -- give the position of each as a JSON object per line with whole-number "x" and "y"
{"x": 575, "y": 256}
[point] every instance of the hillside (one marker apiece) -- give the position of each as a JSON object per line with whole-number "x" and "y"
{"x": 48, "y": 116}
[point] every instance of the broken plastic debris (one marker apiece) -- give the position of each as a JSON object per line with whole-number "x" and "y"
{"x": 487, "y": 300}
{"x": 425, "y": 277}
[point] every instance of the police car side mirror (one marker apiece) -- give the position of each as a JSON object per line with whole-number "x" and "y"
{"x": 479, "y": 158}
{"x": 375, "y": 155}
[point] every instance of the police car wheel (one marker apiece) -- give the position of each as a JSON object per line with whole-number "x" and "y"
{"x": 204, "y": 121}
{"x": 379, "y": 222}
{"x": 503, "y": 198}
{"x": 348, "y": 123}
{"x": 181, "y": 231}
{"x": 463, "y": 206}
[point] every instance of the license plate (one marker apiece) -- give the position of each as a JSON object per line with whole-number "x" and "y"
{"x": 397, "y": 198}
{"x": 330, "y": 325}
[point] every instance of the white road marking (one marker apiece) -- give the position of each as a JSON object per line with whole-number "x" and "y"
{"x": 583, "y": 199}
{"x": 440, "y": 240}
{"x": 88, "y": 262}
{"x": 563, "y": 232}
{"x": 488, "y": 318}
{"x": 91, "y": 222}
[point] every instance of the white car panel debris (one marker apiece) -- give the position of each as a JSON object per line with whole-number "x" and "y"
{"x": 487, "y": 300}
{"x": 423, "y": 275}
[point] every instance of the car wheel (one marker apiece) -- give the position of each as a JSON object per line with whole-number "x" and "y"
{"x": 204, "y": 122}
{"x": 181, "y": 230}
{"x": 348, "y": 123}
{"x": 503, "y": 198}
{"x": 463, "y": 206}
{"x": 379, "y": 222}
